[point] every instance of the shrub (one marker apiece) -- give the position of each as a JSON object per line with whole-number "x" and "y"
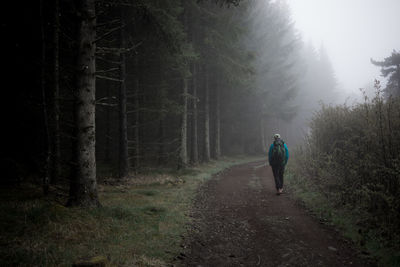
{"x": 351, "y": 156}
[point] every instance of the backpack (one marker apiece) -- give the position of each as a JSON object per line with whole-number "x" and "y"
{"x": 278, "y": 153}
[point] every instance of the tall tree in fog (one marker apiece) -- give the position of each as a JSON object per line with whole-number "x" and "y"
{"x": 194, "y": 156}
{"x": 217, "y": 124}
{"x": 46, "y": 176}
{"x": 272, "y": 40}
{"x": 228, "y": 68}
{"x": 224, "y": 71}
{"x": 317, "y": 86}
{"x": 56, "y": 151}
{"x": 183, "y": 153}
{"x": 122, "y": 102}
{"x": 391, "y": 68}
{"x": 193, "y": 37}
{"x": 83, "y": 190}
{"x": 165, "y": 28}
{"x": 326, "y": 76}
{"x": 206, "y": 149}
{"x": 319, "y": 81}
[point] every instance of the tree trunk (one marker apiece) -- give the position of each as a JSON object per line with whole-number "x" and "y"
{"x": 56, "y": 148}
{"x": 183, "y": 155}
{"x": 262, "y": 136}
{"x": 47, "y": 164}
{"x": 161, "y": 125}
{"x": 137, "y": 115}
{"x": 183, "y": 159}
{"x": 194, "y": 142}
{"x": 107, "y": 152}
{"x": 84, "y": 184}
{"x": 206, "y": 156}
{"x": 161, "y": 148}
{"x": 123, "y": 125}
{"x": 191, "y": 29}
{"x": 217, "y": 136}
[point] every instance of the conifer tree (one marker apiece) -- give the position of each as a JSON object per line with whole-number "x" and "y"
{"x": 84, "y": 185}
{"x": 390, "y": 67}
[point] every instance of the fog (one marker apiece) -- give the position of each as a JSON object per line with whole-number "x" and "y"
{"x": 352, "y": 32}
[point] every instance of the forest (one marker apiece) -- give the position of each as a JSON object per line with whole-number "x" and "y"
{"x": 151, "y": 83}
{"x": 100, "y": 94}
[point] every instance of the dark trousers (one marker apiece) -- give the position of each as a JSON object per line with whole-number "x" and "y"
{"x": 278, "y": 175}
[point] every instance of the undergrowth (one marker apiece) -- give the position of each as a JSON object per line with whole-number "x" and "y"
{"x": 348, "y": 171}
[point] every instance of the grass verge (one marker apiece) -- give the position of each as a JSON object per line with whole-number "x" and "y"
{"x": 140, "y": 223}
{"x": 347, "y": 221}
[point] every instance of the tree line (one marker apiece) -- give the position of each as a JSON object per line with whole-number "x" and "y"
{"x": 121, "y": 86}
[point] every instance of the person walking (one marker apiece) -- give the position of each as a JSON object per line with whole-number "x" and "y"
{"x": 278, "y": 156}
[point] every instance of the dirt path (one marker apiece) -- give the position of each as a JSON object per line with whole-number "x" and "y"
{"x": 238, "y": 220}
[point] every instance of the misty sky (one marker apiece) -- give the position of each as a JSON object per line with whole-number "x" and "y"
{"x": 352, "y": 32}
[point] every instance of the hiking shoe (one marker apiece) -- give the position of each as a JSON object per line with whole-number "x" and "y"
{"x": 280, "y": 191}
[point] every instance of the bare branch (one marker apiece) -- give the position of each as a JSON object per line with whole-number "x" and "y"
{"x": 108, "y": 23}
{"x": 147, "y": 110}
{"x": 108, "y": 78}
{"x": 108, "y": 33}
{"x": 116, "y": 50}
{"x": 107, "y": 60}
{"x": 107, "y": 104}
{"x": 105, "y": 98}
{"x": 105, "y": 71}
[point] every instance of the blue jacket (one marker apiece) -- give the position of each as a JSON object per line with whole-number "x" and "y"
{"x": 270, "y": 153}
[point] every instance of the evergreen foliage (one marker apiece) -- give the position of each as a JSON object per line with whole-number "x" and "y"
{"x": 390, "y": 67}
{"x": 187, "y": 77}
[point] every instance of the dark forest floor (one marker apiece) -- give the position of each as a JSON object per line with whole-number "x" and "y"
{"x": 141, "y": 221}
{"x": 238, "y": 220}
